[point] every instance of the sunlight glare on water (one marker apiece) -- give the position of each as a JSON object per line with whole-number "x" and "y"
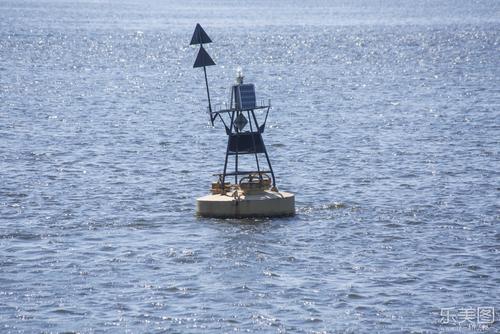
{"x": 385, "y": 124}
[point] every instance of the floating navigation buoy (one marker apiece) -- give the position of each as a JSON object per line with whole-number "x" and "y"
{"x": 254, "y": 192}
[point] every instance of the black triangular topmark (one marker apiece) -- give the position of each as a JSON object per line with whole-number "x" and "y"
{"x": 200, "y": 36}
{"x": 203, "y": 58}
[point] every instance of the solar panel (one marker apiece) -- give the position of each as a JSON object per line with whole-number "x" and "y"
{"x": 245, "y": 96}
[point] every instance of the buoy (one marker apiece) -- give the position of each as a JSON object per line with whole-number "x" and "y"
{"x": 254, "y": 192}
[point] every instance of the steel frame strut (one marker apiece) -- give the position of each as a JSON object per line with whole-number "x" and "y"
{"x": 234, "y": 136}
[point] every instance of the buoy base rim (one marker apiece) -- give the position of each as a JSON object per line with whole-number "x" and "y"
{"x": 263, "y": 204}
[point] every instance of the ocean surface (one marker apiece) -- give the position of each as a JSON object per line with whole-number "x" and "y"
{"x": 385, "y": 124}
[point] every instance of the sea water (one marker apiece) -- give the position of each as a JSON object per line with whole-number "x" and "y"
{"x": 385, "y": 123}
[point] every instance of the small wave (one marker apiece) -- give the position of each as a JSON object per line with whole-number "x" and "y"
{"x": 329, "y": 206}
{"x": 270, "y": 274}
{"x": 65, "y": 311}
{"x": 334, "y": 205}
{"x": 355, "y": 296}
{"x": 21, "y": 236}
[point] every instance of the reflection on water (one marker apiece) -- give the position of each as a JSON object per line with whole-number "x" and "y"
{"x": 384, "y": 124}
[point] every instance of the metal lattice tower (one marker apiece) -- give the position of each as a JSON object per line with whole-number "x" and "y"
{"x": 240, "y": 115}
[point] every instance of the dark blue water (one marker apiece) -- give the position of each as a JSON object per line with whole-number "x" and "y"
{"x": 385, "y": 124}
